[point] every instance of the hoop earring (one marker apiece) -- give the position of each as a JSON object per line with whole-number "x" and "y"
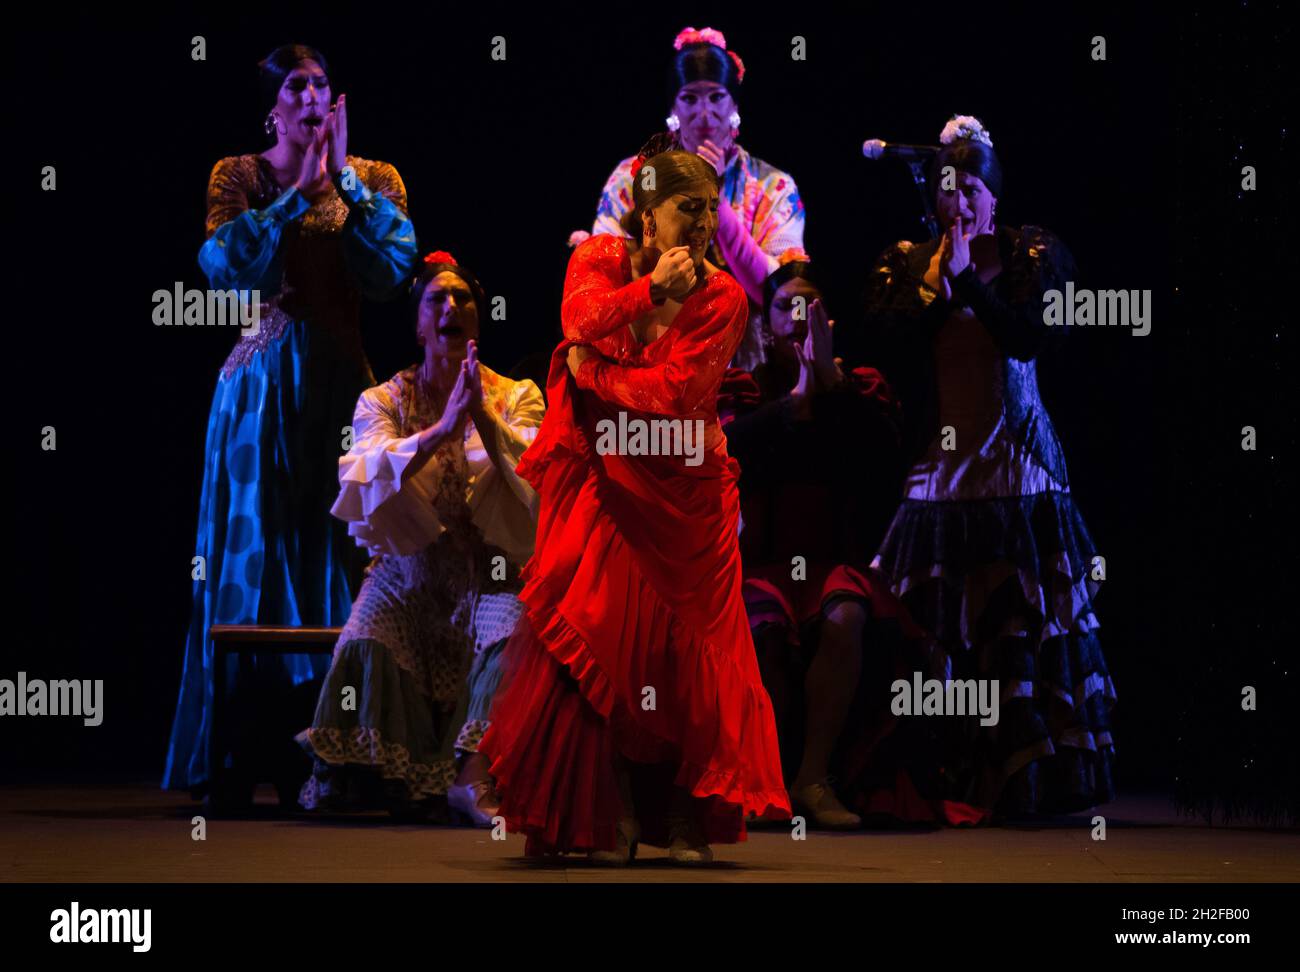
{"x": 673, "y": 122}
{"x": 272, "y": 124}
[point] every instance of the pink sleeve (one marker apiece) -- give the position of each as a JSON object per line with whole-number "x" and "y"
{"x": 745, "y": 258}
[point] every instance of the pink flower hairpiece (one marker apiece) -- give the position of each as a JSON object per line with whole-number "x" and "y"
{"x": 440, "y": 256}
{"x": 706, "y": 36}
{"x": 709, "y": 36}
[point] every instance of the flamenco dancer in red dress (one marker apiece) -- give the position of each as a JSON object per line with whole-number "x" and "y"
{"x": 632, "y": 707}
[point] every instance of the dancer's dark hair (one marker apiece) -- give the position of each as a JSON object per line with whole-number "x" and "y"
{"x": 675, "y": 170}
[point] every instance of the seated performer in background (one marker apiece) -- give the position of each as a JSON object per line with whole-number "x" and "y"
{"x": 820, "y": 466}
{"x": 761, "y": 215}
{"x": 632, "y": 707}
{"x": 311, "y": 228}
{"x": 988, "y": 550}
{"x": 428, "y": 487}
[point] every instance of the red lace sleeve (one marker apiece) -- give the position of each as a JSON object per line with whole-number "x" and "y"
{"x": 692, "y": 372}
{"x": 598, "y": 299}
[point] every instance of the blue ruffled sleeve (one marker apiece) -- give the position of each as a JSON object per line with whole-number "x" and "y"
{"x": 378, "y": 238}
{"x": 243, "y": 247}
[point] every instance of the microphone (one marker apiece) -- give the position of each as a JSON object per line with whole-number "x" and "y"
{"x": 875, "y": 148}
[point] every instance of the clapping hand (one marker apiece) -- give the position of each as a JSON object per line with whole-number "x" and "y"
{"x": 313, "y": 177}
{"x": 817, "y": 346}
{"x": 955, "y": 254}
{"x": 336, "y": 127}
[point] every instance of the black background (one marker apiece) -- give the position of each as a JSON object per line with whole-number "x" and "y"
{"x": 1134, "y": 162}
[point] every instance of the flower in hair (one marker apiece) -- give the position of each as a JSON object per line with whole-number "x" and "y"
{"x": 440, "y": 256}
{"x": 965, "y": 126}
{"x": 578, "y": 237}
{"x": 740, "y": 65}
{"x": 636, "y": 166}
{"x": 794, "y": 254}
{"x": 706, "y": 36}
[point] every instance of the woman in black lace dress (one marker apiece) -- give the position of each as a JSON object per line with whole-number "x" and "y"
{"x": 988, "y": 550}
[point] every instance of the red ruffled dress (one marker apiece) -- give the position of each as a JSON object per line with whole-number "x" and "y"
{"x": 635, "y": 639}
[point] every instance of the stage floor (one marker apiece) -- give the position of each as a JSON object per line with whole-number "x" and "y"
{"x": 129, "y": 833}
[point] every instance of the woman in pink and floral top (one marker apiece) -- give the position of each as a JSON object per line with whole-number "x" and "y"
{"x": 761, "y": 215}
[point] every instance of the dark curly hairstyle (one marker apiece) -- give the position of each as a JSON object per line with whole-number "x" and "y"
{"x": 675, "y": 170}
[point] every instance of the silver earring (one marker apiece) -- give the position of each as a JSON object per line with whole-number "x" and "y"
{"x": 272, "y": 123}
{"x": 734, "y": 119}
{"x": 673, "y": 122}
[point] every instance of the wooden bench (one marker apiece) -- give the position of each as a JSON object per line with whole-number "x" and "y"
{"x": 245, "y": 641}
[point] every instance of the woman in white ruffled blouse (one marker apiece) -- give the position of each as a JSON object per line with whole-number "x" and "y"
{"x": 428, "y": 487}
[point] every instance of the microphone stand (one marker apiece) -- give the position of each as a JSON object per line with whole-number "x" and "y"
{"x": 927, "y": 206}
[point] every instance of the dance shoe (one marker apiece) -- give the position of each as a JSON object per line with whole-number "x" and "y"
{"x": 629, "y": 833}
{"x": 476, "y": 802}
{"x": 818, "y": 800}
{"x": 686, "y": 844}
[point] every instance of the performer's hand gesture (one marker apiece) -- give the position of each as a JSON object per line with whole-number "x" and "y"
{"x": 673, "y": 275}
{"x": 817, "y": 345}
{"x": 458, "y": 404}
{"x": 577, "y": 355}
{"x": 956, "y": 250}
{"x": 803, "y": 388}
{"x": 312, "y": 176}
{"x": 336, "y": 125}
{"x": 475, "y": 381}
{"x": 713, "y": 155}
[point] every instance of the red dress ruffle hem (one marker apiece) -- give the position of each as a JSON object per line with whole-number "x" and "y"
{"x": 635, "y": 639}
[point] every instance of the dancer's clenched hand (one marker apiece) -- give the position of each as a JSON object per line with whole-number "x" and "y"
{"x": 578, "y": 353}
{"x": 674, "y": 275}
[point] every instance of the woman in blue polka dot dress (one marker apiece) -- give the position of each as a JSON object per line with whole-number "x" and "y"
{"x": 312, "y": 229}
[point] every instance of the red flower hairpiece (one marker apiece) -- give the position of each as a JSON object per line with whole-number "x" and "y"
{"x": 440, "y": 256}
{"x": 636, "y": 166}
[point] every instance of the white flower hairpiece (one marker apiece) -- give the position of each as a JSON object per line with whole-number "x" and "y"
{"x": 965, "y": 126}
